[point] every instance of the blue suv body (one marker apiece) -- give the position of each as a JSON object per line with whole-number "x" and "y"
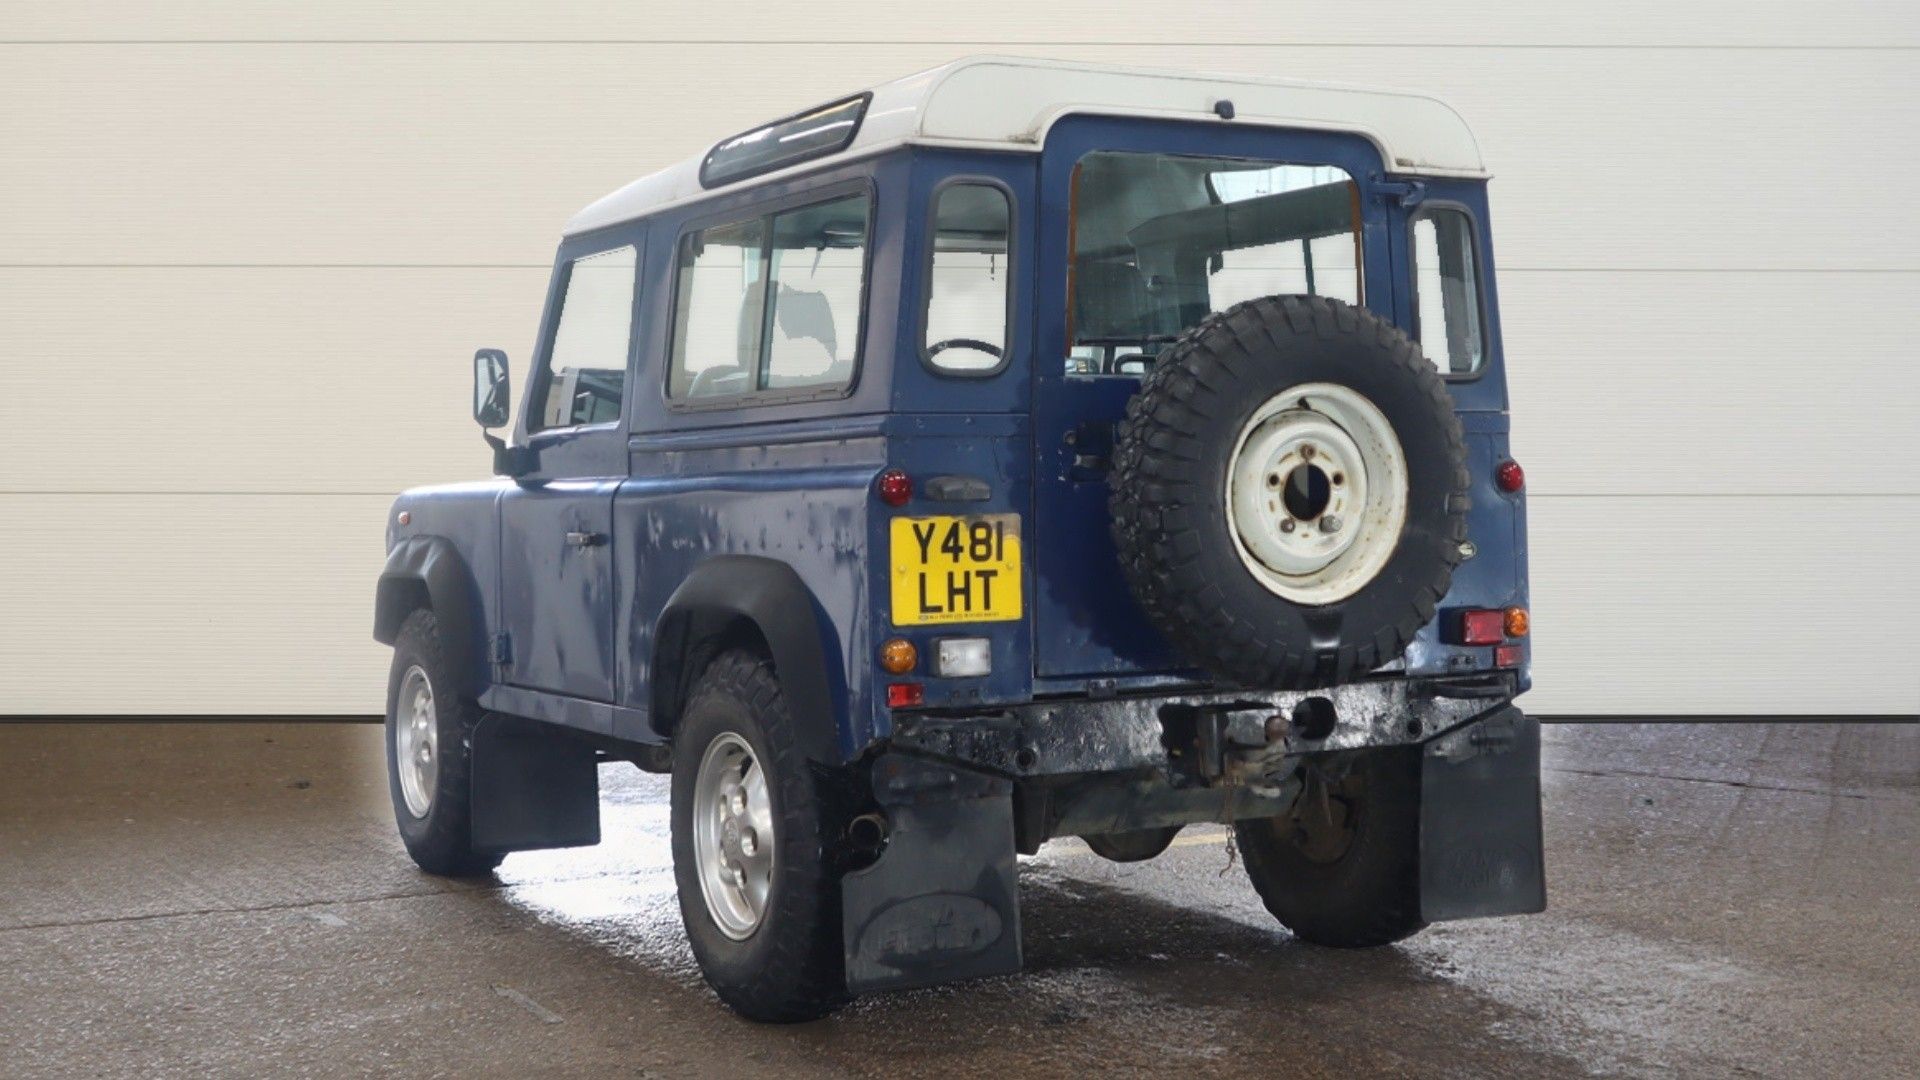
{"x": 826, "y": 456}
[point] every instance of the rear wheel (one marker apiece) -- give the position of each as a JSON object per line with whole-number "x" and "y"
{"x": 1342, "y": 867}
{"x": 430, "y": 754}
{"x": 750, "y": 830}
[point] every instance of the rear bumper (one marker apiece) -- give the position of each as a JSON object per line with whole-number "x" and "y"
{"x": 1204, "y": 736}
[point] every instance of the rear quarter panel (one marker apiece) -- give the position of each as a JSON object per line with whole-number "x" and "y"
{"x": 799, "y": 500}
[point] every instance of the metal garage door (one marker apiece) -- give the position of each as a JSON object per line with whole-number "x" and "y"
{"x": 248, "y": 248}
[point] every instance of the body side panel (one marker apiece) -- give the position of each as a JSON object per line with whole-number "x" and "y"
{"x": 788, "y": 482}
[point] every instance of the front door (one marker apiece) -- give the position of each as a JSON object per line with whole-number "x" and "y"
{"x": 557, "y": 586}
{"x": 1148, "y": 226}
{"x": 556, "y": 523}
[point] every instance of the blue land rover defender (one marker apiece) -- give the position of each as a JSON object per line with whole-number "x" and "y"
{"x": 1017, "y": 450}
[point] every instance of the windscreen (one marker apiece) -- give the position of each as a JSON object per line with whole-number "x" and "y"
{"x": 1160, "y": 241}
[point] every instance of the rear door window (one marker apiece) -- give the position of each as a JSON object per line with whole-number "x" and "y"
{"x": 1161, "y": 241}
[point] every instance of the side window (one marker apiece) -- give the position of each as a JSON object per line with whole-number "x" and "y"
{"x": 819, "y": 259}
{"x": 771, "y": 304}
{"x": 966, "y": 326}
{"x": 1446, "y": 283}
{"x": 587, "y": 366}
{"x": 716, "y": 341}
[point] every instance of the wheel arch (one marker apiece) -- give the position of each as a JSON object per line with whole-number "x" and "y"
{"x": 428, "y": 572}
{"x": 761, "y": 603}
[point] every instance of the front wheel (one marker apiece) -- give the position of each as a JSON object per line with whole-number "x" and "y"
{"x": 1342, "y": 867}
{"x": 750, "y": 849}
{"x": 430, "y": 754}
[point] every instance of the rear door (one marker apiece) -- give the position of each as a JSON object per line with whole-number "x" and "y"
{"x": 1135, "y": 246}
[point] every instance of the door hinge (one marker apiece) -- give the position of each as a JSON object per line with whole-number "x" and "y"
{"x": 502, "y": 648}
{"x": 1405, "y": 194}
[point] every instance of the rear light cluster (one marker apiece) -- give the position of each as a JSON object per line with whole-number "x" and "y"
{"x": 953, "y": 658}
{"x": 898, "y": 656}
{"x": 1482, "y": 628}
{"x": 1499, "y": 627}
{"x": 962, "y": 658}
{"x": 1509, "y": 477}
{"x": 894, "y": 487}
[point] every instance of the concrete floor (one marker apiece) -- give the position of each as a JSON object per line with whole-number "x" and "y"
{"x": 189, "y": 899}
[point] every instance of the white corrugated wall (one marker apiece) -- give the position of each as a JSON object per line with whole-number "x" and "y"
{"x": 246, "y": 250}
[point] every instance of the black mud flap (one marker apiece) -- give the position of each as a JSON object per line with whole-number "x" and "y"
{"x": 941, "y": 903}
{"x": 533, "y": 787}
{"x": 1480, "y": 847}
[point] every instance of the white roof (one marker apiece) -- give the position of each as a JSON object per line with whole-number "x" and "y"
{"x": 1009, "y": 103}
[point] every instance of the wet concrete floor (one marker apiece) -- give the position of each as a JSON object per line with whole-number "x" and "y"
{"x": 231, "y": 900}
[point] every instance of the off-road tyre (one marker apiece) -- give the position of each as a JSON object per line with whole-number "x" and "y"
{"x": 1169, "y": 476}
{"x": 791, "y": 968}
{"x": 440, "y": 842}
{"x": 1369, "y": 894}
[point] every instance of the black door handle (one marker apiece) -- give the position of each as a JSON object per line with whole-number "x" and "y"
{"x": 586, "y": 539}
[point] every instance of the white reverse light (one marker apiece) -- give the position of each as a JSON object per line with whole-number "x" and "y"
{"x": 962, "y": 657}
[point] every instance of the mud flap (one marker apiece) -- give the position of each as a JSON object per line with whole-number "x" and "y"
{"x": 941, "y": 903}
{"x": 1480, "y": 846}
{"x": 533, "y": 787}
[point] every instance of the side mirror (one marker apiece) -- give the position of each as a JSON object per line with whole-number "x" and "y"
{"x": 491, "y": 391}
{"x": 490, "y": 397}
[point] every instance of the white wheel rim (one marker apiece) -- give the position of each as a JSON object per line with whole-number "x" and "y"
{"x": 416, "y": 741}
{"x": 733, "y": 840}
{"x": 1315, "y": 540}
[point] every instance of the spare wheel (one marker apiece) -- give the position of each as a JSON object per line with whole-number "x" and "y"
{"x": 1289, "y": 492}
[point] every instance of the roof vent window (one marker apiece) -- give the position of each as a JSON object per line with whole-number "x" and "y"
{"x": 814, "y": 133}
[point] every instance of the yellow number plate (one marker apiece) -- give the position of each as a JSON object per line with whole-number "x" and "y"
{"x": 956, "y": 569}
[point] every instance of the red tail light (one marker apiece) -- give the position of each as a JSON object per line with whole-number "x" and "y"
{"x": 895, "y": 487}
{"x": 1510, "y": 477}
{"x": 1508, "y": 656}
{"x": 905, "y": 695}
{"x": 1480, "y": 628}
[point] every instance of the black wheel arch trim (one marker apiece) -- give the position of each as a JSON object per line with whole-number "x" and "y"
{"x": 771, "y": 596}
{"x": 431, "y": 568}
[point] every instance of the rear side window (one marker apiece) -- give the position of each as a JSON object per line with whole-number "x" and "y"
{"x": 966, "y": 324}
{"x": 771, "y": 304}
{"x": 1446, "y": 284}
{"x": 587, "y": 366}
{"x": 717, "y": 339}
